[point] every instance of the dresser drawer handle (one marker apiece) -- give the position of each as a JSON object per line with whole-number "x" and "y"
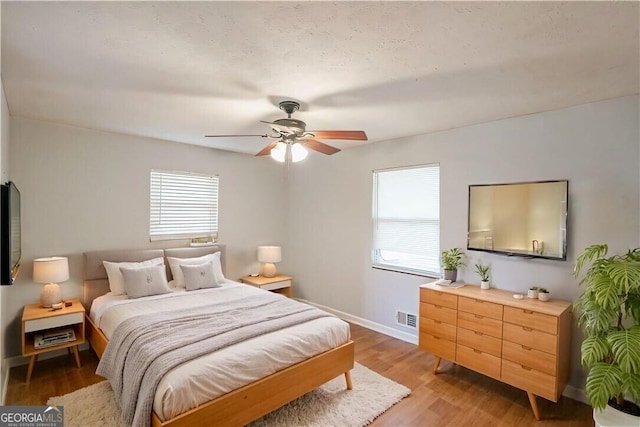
{"x": 438, "y": 322}
{"x": 477, "y": 333}
{"x": 478, "y": 301}
{"x": 477, "y": 351}
{"x": 527, "y": 311}
{"x": 478, "y": 316}
{"x": 437, "y": 338}
{"x": 437, "y": 306}
{"x": 524, "y": 328}
{"x": 524, "y": 347}
{"x": 526, "y": 368}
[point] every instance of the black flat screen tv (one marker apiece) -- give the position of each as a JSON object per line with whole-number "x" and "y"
{"x": 527, "y": 219}
{"x": 10, "y": 226}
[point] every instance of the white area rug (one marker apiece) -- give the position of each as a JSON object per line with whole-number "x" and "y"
{"x": 328, "y": 405}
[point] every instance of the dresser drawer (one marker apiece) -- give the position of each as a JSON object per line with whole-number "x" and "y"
{"x": 531, "y": 319}
{"x": 528, "y": 379}
{"x": 478, "y": 323}
{"x": 480, "y": 341}
{"x": 438, "y": 298}
{"x": 479, "y": 361}
{"x": 437, "y": 328}
{"x": 529, "y": 357}
{"x": 438, "y": 312}
{"x": 483, "y": 308}
{"x": 531, "y": 338}
{"x": 438, "y": 346}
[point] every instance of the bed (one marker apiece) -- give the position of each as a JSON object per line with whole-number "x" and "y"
{"x": 289, "y": 375}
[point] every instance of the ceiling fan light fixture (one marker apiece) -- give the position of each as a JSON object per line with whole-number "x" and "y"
{"x": 298, "y": 152}
{"x": 279, "y": 152}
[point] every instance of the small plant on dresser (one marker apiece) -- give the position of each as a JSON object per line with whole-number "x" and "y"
{"x": 451, "y": 260}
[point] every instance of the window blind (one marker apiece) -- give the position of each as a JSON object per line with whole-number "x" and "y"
{"x": 183, "y": 205}
{"x": 406, "y": 219}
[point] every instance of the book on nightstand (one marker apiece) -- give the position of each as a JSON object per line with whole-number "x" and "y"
{"x": 53, "y": 337}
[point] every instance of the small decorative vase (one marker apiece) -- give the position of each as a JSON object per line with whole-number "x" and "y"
{"x": 484, "y": 284}
{"x": 451, "y": 275}
{"x": 532, "y": 293}
{"x": 544, "y": 296}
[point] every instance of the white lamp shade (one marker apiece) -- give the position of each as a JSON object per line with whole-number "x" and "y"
{"x": 269, "y": 254}
{"x": 50, "y": 270}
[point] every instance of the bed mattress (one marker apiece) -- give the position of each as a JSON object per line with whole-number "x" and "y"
{"x": 213, "y": 375}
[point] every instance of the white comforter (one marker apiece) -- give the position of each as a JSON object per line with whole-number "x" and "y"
{"x": 213, "y": 375}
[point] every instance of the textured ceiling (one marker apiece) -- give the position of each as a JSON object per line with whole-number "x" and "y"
{"x": 180, "y": 70}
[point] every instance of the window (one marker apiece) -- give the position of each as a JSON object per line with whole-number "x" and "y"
{"x": 183, "y": 205}
{"x": 406, "y": 219}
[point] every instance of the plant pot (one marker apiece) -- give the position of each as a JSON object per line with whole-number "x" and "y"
{"x": 532, "y": 293}
{"x": 612, "y": 417}
{"x": 544, "y": 296}
{"x": 451, "y": 275}
{"x": 484, "y": 284}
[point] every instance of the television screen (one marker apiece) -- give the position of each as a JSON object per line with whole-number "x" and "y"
{"x": 10, "y": 252}
{"x": 524, "y": 219}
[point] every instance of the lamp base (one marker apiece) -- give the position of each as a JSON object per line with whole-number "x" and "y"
{"x": 268, "y": 270}
{"x": 50, "y": 295}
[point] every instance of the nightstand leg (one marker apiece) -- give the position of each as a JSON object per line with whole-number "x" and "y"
{"x": 32, "y": 362}
{"x": 76, "y": 355}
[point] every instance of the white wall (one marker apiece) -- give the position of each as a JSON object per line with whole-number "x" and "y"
{"x": 594, "y": 146}
{"x": 87, "y": 190}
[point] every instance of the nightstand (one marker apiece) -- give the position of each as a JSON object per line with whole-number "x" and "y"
{"x": 54, "y": 326}
{"x": 279, "y": 284}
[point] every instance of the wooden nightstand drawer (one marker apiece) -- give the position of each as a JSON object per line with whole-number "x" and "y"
{"x": 531, "y": 319}
{"x": 476, "y": 322}
{"x": 276, "y": 285}
{"x": 483, "y": 308}
{"x": 53, "y": 322}
{"x": 438, "y": 298}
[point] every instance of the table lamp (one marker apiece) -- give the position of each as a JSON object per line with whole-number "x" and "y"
{"x": 50, "y": 271}
{"x": 267, "y": 255}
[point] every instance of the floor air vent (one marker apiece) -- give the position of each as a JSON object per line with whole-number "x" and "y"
{"x": 406, "y": 319}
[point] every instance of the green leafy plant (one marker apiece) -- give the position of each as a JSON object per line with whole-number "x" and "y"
{"x": 452, "y": 259}
{"x": 609, "y": 313}
{"x": 483, "y": 272}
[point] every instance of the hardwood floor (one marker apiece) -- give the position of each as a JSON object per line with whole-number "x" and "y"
{"x": 453, "y": 398}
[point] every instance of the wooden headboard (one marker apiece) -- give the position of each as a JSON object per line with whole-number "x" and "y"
{"x": 94, "y": 275}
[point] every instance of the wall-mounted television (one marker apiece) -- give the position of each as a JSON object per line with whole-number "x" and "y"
{"x": 10, "y": 241}
{"x": 526, "y": 219}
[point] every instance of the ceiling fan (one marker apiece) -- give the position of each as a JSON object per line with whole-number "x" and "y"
{"x": 291, "y": 137}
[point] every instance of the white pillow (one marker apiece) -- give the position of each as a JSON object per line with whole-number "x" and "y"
{"x": 199, "y": 276}
{"x": 116, "y": 281}
{"x": 178, "y": 277}
{"x": 145, "y": 281}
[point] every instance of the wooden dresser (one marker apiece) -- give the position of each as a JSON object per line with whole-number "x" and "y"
{"x": 525, "y": 343}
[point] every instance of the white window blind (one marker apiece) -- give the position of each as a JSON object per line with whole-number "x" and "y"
{"x": 183, "y": 205}
{"x": 406, "y": 219}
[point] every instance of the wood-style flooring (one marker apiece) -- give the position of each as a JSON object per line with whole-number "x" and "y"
{"x": 455, "y": 397}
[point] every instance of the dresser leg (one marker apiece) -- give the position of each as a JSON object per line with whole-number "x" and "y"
{"x": 32, "y": 362}
{"x": 534, "y": 405}
{"x": 436, "y": 365}
{"x": 347, "y": 377}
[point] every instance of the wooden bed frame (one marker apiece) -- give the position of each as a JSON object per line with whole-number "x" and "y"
{"x": 242, "y": 405}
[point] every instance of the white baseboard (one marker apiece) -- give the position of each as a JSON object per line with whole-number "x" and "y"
{"x": 404, "y": 336}
{"x": 14, "y": 361}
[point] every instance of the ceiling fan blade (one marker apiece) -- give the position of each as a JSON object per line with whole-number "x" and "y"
{"x": 321, "y": 147}
{"x": 267, "y": 150}
{"x": 231, "y": 136}
{"x": 352, "y": 135}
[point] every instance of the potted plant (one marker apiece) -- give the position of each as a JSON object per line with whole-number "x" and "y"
{"x": 451, "y": 260}
{"x": 533, "y": 292}
{"x": 483, "y": 272}
{"x": 543, "y": 294}
{"x": 609, "y": 313}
